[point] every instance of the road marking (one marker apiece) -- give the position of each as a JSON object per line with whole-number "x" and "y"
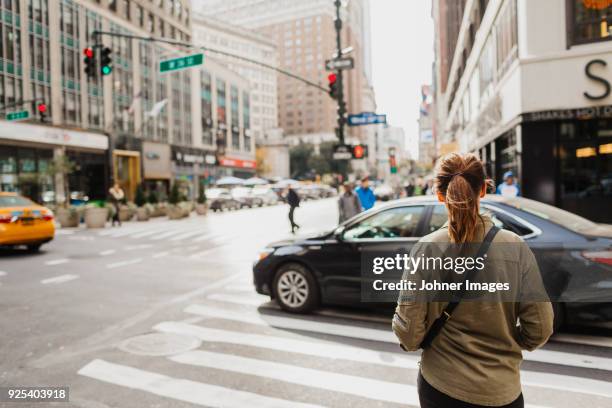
{"x": 167, "y": 234}
{"x": 566, "y": 383}
{"x": 108, "y": 252}
{"x": 56, "y": 262}
{"x": 240, "y": 288}
{"x": 294, "y": 323}
{"x": 123, "y": 263}
{"x": 181, "y": 389}
{"x": 187, "y": 234}
{"x": 2, "y": 273}
{"x": 281, "y": 322}
{"x": 205, "y": 237}
{"x": 582, "y": 339}
{"x": 59, "y": 279}
{"x": 325, "y": 350}
{"x": 160, "y": 254}
{"x": 349, "y": 384}
{"x": 63, "y": 232}
{"x": 81, "y": 238}
{"x": 242, "y": 300}
{"x": 148, "y": 232}
{"x": 140, "y": 246}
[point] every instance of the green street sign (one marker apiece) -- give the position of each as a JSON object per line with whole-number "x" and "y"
{"x": 21, "y": 115}
{"x": 181, "y": 63}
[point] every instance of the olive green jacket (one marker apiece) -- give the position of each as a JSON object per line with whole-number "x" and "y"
{"x": 477, "y": 355}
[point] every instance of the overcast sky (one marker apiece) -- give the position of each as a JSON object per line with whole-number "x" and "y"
{"x": 402, "y": 54}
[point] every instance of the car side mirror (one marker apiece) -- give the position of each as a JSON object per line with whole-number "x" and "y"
{"x": 339, "y": 234}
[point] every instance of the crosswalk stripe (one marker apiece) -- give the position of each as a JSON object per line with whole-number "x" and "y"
{"x": 59, "y": 279}
{"x": 205, "y": 237}
{"x": 326, "y": 350}
{"x": 181, "y": 389}
{"x": 123, "y": 263}
{"x": 567, "y": 383}
{"x": 188, "y": 234}
{"x": 57, "y": 262}
{"x": 123, "y": 231}
{"x": 168, "y": 233}
{"x": 247, "y": 287}
{"x": 541, "y": 355}
{"x": 294, "y": 323}
{"x": 149, "y": 232}
{"x": 349, "y": 384}
{"x": 243, "y": 300}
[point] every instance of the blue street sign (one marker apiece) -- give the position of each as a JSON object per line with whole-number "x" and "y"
{"x": 366, "y": 118}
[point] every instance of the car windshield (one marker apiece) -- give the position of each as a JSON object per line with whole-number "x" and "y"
{"x": 14, "y": 201}
{"x": 564, "y": 218}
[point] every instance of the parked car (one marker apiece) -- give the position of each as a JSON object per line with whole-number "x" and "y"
{"x": 310, "y": 192}
{"x": 245, "y": 197}
{"x": 383, "y": 192}
{"x": 325, "y": 268}
{"x": 220, "y": 199}
{"x": 23, "y": 222}
{"x": 266, "y": 194}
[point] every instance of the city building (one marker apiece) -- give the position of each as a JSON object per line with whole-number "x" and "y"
{"x": 427, "y": 151}
{"x": 133, "y": 125}
{"x": 305, "y": 37}
{"x": 526, "y": 84}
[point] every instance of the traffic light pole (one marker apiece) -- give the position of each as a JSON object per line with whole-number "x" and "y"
{"x": 341, "y": 104}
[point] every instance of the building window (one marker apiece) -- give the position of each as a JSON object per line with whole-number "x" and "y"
{"x": 235, "y": 119}
{"x": 590, "y": 20}
{"x": 140, "y": 15}
{"x": 246, "y": 120}
{"x": 507, "y": 37}
{"x": 206, "y": 96}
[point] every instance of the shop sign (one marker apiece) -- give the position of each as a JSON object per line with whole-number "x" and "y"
{"x": 591, "y": 112}
{"x": 52, "y": 135}
{"x": 605, "y": 92}
{"x": 245, "y": 164}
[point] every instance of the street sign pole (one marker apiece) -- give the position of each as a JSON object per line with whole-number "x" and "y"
{"x": 341, "y": 104}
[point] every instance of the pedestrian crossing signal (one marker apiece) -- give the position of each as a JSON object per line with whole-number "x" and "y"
{"x": 360, "y": 151}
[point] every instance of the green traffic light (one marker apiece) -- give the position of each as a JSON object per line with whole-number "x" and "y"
{"x": 106, "y": 70}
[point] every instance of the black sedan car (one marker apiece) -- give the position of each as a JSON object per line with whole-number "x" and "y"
{"x": 302, "y": 273}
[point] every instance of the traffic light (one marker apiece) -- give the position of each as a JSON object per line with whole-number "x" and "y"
{"x": 42, "y": 111}
{"x": 90, "y": 62}
{"x": 360, "y": 151}
{"x": 106, "y": 62}
{"x": 332, "y": 80}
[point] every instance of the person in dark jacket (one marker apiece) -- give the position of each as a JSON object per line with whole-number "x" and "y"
{"x": 293, "y": 199}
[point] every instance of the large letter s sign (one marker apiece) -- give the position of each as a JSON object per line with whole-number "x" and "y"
{"x": 603, "y": 81}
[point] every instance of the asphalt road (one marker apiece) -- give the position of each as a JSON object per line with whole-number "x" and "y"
{"x": 163, "y": 314}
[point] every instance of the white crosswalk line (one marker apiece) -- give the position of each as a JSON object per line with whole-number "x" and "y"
{"x": 206, "y": 237}
{"x": 181, "y": 389}
{"x": 57, "y": 262}
{"x": 161, "y": 254}
{"x": 567, "y": 383}
{"x": 59, "y": 279}
{"x": 319, "y": 349}
{"x": 188, "y": 234}
{"x": 541, "y": 355}
{"x": 168, "y": 233}
{"x": 349, "y": 384}
{"x": 294, "y": 323}
{"x": 123, "y": 263}
{"x": 108, "y": 252}
{"x": 149, "y": 231}
{"x": 243, "y": 300}
{"x": 247, "y": 287}
{"x": 123, "y": 231}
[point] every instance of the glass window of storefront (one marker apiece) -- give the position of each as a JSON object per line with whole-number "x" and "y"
{"x": 590, "y": 20}
{"x": 25, "y": 170}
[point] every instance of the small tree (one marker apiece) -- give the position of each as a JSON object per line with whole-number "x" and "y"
{"x": 152, "y": 197}
{"x": 140, "y": 199}
{"x": 174, "y": 196}
{"x": 64, "y": 166}
{"x": 202, "y": 195}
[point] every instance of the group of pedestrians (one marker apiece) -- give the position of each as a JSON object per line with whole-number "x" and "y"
{"x": 352, "y": 202}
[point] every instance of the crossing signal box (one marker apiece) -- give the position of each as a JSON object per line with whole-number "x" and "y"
{"x": 106, "y": 61}
{"x": 332, "y": 80}
{"x": 90, "y": 62}
{"x": 360, "y": 151}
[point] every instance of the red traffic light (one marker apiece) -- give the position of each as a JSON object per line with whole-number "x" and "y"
{"x": 331, "y": 78}
{"x": 42, "y": 108}
{"x": 358, "y": 151}
{"x": 88, "y": 52}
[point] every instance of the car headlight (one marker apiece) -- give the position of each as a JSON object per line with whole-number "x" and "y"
{"x": 263, "y": 254}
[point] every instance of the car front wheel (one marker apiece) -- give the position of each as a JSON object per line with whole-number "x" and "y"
{"x": 295, "y": 289}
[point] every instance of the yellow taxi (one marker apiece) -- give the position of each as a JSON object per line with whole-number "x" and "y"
{"x": 23, "y": 222}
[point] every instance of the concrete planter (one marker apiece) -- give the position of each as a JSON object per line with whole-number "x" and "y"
{"x": 67, "y": 217}
{"x": 125, "y": 214}
{"x": 201, "y": 209}
{"x": 175, "y": 212}
{"x": 159, "y": 210}
{"x": 96, "y": 217}
{"x": 142, "y": 214}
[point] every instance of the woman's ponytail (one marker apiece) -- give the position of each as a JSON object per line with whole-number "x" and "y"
{"x": 459, "y": 178}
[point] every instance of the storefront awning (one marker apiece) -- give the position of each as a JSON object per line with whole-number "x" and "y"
{"x": 24, "y": 132}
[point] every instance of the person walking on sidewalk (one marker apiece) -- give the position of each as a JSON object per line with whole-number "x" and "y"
{"x": 472, "y": 349}
{"x": 348, "y": 203}
{"x": 116, "y": 197}
{"x": 293, "y": 199}
{"x": 365, "y": 194}
{"x": 509, "y": 188}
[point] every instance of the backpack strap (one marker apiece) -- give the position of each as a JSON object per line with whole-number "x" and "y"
{"x": 438, "y": 324}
